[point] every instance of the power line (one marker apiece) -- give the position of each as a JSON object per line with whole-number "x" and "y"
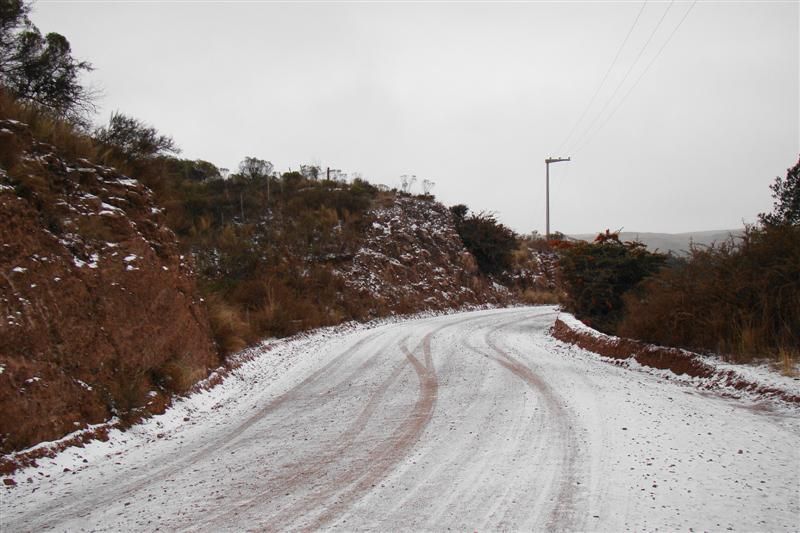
{"x": 627, "y": 74}
{"x": 650, "y": 64}
{"x": 602, "y": 83}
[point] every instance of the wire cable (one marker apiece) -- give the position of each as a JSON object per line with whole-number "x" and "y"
{"x": 650, "y": 64}
{"x": 602, "y": 83}
{"x": 627, "y": 74}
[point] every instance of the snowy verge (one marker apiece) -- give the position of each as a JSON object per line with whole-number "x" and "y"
{"x": 758, "y": 382}
{"x": 244, "y": 374}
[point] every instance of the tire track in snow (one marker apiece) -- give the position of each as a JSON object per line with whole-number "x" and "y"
{"x": 341, "y": 492}
{"x": 525, "y": 436}
{"x": 562, "y": 513}
{"x": 59, "y": 507}
{"x": 301, "y": 472}
{"x": 437, "y": 465}
{"x": 652, "y": 454}
{"x": 476, "y": 465}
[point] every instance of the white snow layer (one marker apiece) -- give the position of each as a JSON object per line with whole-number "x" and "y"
{"x": 473, "y": 421}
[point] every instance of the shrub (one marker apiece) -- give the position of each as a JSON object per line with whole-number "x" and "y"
{"x": 741, "y": 299}
{"x": 490, "y": 242}
{"x": 230, "y": 330}
{"x": 596, "y": 275}
{"x": 134, "y": 139}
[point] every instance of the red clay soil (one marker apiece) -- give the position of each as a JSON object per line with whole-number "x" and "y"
{"x": 673, "y": 359}
{"x": 99, "y": 312}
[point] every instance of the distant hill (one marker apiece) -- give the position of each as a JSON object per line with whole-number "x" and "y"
{"x": 677, "y": 243}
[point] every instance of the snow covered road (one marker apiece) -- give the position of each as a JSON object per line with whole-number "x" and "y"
{"x": 473, "y": 421}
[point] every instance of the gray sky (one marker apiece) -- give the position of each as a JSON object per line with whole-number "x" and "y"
{"x": 473, "y": 96}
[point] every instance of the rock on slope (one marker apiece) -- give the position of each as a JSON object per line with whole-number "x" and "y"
{"x": 100, "y": 313}
{"x": 411, "y": 259}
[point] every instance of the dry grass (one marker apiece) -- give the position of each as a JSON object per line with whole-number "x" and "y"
{"x": 70, "y": 141}
{"x": 788, "y": 358}
{"x": 231, "y": 331}
{"x": 179, "y": 375}
{"x": 541, "y": 297}
{"x": 739, "y": 299}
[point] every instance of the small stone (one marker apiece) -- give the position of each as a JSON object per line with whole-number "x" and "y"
{"x": 9, "y": 482}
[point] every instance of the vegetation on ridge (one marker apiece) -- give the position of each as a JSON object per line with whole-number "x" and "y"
{"x": 739, "y": 298}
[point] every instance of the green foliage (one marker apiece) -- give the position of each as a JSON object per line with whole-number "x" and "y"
{"x": 597, "y": 275}
{"x": 490, "y": 242}
{"x": 786, "y": 193}
{"x": 134, "y": 139}
{"x": 40, "y": 69}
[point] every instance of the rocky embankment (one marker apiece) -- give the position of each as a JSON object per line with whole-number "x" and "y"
{"x": 100, "y": 313}
{"x": 412, "y": 259}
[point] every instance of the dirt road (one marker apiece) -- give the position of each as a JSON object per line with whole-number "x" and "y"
{"x": 476, "y": 421}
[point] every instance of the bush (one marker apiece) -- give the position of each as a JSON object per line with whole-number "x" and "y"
{"x": 490, "y": 242}
{"x": 740, "y": 299}
{"x": 134, "y": 139}
{"x": 596, "y": 276}
{"x": 230, "y": 330}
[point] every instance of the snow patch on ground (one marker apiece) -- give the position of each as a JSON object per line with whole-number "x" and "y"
{"x": 525, "y": 433}
{"x": 760, "y": 374}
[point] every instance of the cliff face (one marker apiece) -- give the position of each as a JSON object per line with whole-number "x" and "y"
{"x": 99, "y": 314}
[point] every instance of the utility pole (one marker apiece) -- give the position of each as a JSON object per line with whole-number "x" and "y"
{"x": 547, "y": 188}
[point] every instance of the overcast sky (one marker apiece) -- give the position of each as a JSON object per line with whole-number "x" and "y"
{"x": 473, "y": 96}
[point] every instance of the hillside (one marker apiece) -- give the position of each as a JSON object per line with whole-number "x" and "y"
{"x": 677, "y": 243}
{"x": 122, "y": 288}
{"x": 412, "y": 259}
{"x": 100, "y": 310}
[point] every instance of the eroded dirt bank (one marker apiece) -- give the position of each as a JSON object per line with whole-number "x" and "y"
{"x": 680, "y": 362}
{"x": 98, "y": 306}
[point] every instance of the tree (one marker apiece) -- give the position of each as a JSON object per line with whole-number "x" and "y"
{"x": 311, "y": 172}
{"x": 13, "y": 17}
{"x": 134, "y": 139}
{"x": 786, "y": 209}
{"x": 41, "y": 69}
{"x": 253, "y": 168}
